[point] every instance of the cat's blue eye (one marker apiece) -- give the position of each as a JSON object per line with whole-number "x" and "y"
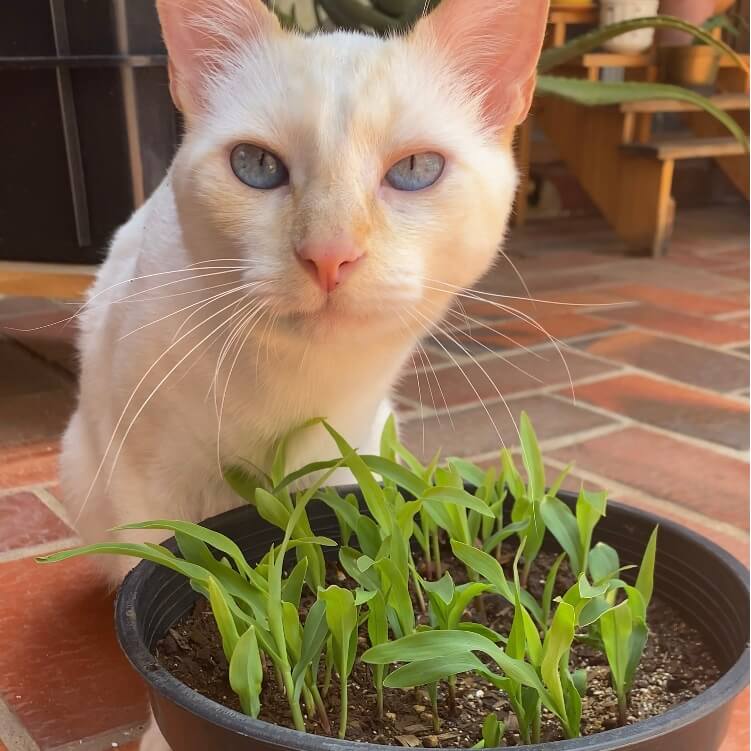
{"x": 258, "y": 167}
{"x": 416, "y": 172}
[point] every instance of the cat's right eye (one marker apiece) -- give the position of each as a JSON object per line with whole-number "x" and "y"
{"x": 257, "y": 167}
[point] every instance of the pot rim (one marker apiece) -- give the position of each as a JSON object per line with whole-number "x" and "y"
{"x": 160, "y": 680}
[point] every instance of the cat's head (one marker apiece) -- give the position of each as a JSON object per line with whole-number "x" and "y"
{"x": 361, "y": 179}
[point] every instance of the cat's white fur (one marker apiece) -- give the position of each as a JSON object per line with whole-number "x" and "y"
{"x": 145, "y": 441}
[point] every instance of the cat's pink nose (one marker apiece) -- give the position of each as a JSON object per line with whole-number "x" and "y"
{"x": 329, "y": 263}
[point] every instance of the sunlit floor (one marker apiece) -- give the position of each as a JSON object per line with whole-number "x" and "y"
{"x": 660, "y": 419}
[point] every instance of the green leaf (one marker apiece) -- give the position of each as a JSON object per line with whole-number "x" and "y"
{"x": 557, "y": 644}
{"x": 271, "y": 509}
{"x": 397, "y": 597}
{"x": 511, "y": 476}
{"x": 561, "y": 522}
{"x": 458, "y": 497}
{"x": 423, "y": 672}
{"x": 402, "y": 476}
{"x": 504, "y": 533}
{"x": 349, "y": 559}
{"x": 615, "y": 632}
{"x": 425, "y": 645}
{"x": 292, "y": 586}
{"x": 443, "y": 588}
{"x": 216, "y": 540}
{"x": 224, "y": 620}
{"x": 463, "y": 596}
{"x": 593, "y": 611}
{"x": 645, "y": 578}
{"x": 556, "y": 486}
{"x": 485, "y": 565}
{"x": 314, "y": 635}
{"x": 555, "y": 56}
{"x": 603, "y": 562}
{"x": 590, "y": 508}
{"x": 469, "y": 472}
{"x": 547, "y": 594}
{"x": 340, "y": 506}
{"x": 371, "y": 490}
{"x": 492, "y": 731}
{"x": 603, "y": 93}
{"x": 532, "y": 459}
{"x": 478, "y": 628}
{"x": 341, "y": 617}
{"x": 242, "y": 482}
{"x": 246, "y": 672}
{"x": 292, "y": 630}
{"x": 368, "y": 535}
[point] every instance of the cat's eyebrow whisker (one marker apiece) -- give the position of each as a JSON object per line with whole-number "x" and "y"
{"x": 132, "y": 396}
{"x": 488, "y": 378}
{"x": 459, "y": 367}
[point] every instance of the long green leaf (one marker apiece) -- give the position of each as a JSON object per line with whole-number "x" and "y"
{"x": 561, "y": 522}
{"x": 555, "y": 56}
{"x": 485, "y": 565}
{"x": 422, "y": 672}
{"x": 223, "y": 616}
{"x": 602, "y": 93}
{"x": 246, "y": 672}
{"x": 645, "y": 578}
{"x": 209, "y": 536}
{"x": 557, "y": 644}
{"x": 532, "y": 459}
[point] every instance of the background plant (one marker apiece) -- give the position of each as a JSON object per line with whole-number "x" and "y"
{"x": 389, "y": 16}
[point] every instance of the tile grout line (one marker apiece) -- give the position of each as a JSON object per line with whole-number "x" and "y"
{"x": 12, "y": 732}
{"x": 629, "y": 422}
{"x": 109, "y": 739}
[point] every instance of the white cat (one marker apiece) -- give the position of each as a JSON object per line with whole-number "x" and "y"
{"x": 330, "y": 193}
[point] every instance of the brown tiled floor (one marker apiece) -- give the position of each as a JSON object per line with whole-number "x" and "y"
{"x": 660, "y": 419}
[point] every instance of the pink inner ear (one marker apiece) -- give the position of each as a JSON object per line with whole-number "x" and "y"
{"x": 200, "y": 36}
{"x": 495, "y": 44}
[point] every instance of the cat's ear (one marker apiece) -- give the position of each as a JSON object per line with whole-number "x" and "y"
{"x": 495, "y": 46}
{"x": 201, "y": 36}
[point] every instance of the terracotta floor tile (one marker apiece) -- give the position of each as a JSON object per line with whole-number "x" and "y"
{"x": 678, "y": 300}
{"x": 48, "y": 334}
{"x": 22, "y": 373}
{"x": 737, "y": 738}
{"x": 697, "y": 478}
{"x": 681, "y": 361}
{"x": 701, "y": 329}
{"x": 673, "y": 407}
{"x": 514, "y": 333}
{"x": 15, "y": 307}
{"x": 65, "y": 678}
{"x": 30, "y": 464}
{"x": 25, "y": 520}
{"x": 504, "y": 377}
{"x": 670, "y": 274}
{"x": 35, "y": 417}
{"x": 472, "y": 432}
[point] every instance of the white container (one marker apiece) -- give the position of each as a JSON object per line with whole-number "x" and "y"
{"x": 634, "y": 42}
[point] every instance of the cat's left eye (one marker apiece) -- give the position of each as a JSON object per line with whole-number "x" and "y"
{"x": 257, "y": 167}
{"x": 416, "y": 172}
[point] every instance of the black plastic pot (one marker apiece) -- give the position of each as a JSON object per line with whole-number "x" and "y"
{"x": 693, "y": 575}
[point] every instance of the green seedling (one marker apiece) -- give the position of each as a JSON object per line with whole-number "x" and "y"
{"x": 409, "y": 507}
{"x": 492, "y": 732}
{"x": 623, "y": 628}
{"x": 573, "y": 529}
